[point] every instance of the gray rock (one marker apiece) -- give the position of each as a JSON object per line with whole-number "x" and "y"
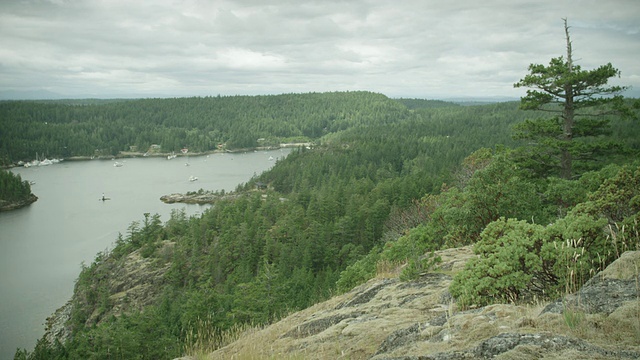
{"x": 319, "y": 325}
{"x": 606, "y": 291}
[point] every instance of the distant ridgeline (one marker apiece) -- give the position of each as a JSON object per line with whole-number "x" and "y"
{"x": 94, "y": 127}
{"x": 383, "y": 185}
{"x": 14, "y": 192}
{"x": 65, "y": 128}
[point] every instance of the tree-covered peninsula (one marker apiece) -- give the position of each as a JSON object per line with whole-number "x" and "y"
{"x": 14, "y": 192}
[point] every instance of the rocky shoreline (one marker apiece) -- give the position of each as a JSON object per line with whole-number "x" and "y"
{"x": 195, "y": 198}
{"x": 14, "y": 205}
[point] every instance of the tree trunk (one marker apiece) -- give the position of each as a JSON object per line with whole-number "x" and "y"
{"x": 567, "y": 113}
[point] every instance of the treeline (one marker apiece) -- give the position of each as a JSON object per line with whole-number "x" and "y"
{"x": 61, "y": 129}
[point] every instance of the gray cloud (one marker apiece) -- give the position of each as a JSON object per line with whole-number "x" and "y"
{"x": 414, "y": 48}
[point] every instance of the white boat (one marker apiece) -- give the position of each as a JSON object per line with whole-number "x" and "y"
{"x": 117, "y": 164}
{"x": 192, "y": 178}
{"x": 172, "y": 156}
{"x": 45, "y": 162}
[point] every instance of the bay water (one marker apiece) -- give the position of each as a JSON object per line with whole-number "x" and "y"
{"x": 43, "y": 245}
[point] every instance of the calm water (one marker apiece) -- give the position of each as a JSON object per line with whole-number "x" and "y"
{"x": 43, "y": 245}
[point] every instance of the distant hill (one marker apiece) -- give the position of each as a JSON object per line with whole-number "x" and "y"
{"x": 29, "y": 95}
{"x": 424, "y": 103}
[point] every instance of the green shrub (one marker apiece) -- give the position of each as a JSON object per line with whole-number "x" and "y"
{"x": 509, "y": 259}
{"x": 517, "y": 260}
{"x": 359, "y": 272}
{"x": 420, "y": 265}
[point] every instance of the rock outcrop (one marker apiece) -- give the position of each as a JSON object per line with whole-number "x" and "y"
{"x": 387, "y": 319}
{"x": 195, "y": 198}
{"x": 616, "y": 285}
{"x": 13, "y": 205}
{"x": 131, "y": 283}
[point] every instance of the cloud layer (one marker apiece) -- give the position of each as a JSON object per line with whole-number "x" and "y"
{"x": 412, "y": 48}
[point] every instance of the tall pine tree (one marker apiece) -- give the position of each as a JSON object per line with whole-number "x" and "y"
{"x": 578, "y": 100}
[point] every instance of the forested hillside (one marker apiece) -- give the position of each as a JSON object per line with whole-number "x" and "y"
{"x": 61, "y": 129}
{"x": 383, "y": 185}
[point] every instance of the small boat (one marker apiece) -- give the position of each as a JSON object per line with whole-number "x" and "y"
{"x": 117, "y": 164}
{"x": 172, "y": 156}
{"x": 103, "y": 198}
{"x": 193, "y": 178}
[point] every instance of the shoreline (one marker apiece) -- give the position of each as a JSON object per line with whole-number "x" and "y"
{"x": 15, "y": 205}
{"x": 134, "y": 154}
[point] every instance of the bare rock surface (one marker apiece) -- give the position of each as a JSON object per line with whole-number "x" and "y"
{"x": 386, "y": 319}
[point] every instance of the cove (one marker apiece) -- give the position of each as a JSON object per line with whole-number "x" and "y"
{"x": 42, "y": 246}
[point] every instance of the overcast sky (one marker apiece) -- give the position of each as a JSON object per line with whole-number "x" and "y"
{"x": 401, "y": 48}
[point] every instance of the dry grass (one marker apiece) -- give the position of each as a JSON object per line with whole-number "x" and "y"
{"x": 268, "y": 343}
{"x": 203, "y": 338}
{"x": 386, "y": 269}
{"x": 462, "y": 330}
{"x": 621, "y": 328}
{"x": 614, "y": 327}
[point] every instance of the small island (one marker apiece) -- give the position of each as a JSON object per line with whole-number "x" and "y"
{"x": 199, "y": 197}
{"x": 14, "y": 192}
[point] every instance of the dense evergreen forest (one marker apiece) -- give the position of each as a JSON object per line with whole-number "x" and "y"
{"x": 13, "y": 189}
{"x": 60, "y": 129}
{"x": 387, "y": 181}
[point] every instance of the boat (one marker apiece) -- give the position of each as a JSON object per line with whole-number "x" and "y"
{"x": 193, "y": 178}
{"x": 172, "y": 156}
{"x": 117, "y": 164}
{"x": 45, "y": 162}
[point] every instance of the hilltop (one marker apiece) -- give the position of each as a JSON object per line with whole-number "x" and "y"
{"x": 386, "y": 318}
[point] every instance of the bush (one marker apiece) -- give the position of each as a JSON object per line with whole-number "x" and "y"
{"x": 508, "y": 265}
{"x": 359, "y": 272}
{"x": 519, "y": 261}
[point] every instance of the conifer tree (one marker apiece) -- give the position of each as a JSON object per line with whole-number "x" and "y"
{"x": 577, "y": 100}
